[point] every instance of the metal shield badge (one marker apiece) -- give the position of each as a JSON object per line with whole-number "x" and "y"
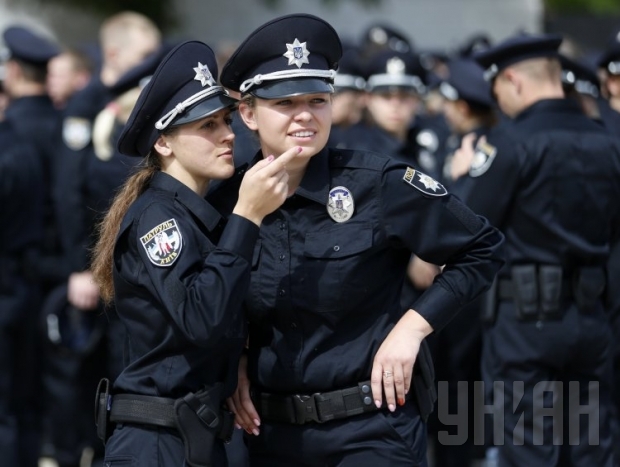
{"x": 163, "y": 243}
{"x": 76, "y": 132}
{"x": 340, "y": 204}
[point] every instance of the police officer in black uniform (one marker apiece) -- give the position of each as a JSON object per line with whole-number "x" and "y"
{"x": 553, "y": 188}
{"x": 177, "y": 275}
{"x": 21, "y": 195}
{"x": 327, "y": 335}
{"x": 33, "y": 118}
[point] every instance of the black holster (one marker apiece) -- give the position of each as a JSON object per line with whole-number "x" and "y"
{"x": 588, "y": 287}
{"x": 550, "y": 285}
{"x": 200, "y": 420}
{"x": 424, "y": 382}
{"x": 488, "y": 304}
{"x": 102, "y": 410}
{"x": 525, "y": 284}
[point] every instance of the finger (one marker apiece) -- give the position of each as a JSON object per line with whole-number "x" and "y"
{"x": 388, "y": 388}
{"x": 407, "y": 375}
{"x": 280, "y": 162}
{"x": 241, "y": 416}
{"x": 250, "y": 409}
{"x": 399, "y": 385}
{"x": 376, "y": 383}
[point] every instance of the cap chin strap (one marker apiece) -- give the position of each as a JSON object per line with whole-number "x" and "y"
{"x": 284, "y": 74}
{"x": 178, "y": 109}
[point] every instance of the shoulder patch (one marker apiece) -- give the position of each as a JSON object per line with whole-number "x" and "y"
{"x": 424, "y": 183}
{"x": 163, "y": 243}
{"x": 484, "y": 154}
{"x": 76, "y": 132}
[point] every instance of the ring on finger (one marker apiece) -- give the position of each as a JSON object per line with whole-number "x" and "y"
{"x": 387, "y": 374}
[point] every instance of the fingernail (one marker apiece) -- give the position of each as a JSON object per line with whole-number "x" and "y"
{"x": 237, "y": 426}
{"x": 378, "y": 404}
{"x": 270, "y": 158}
{"x": 299, "y": 149}
{"x": 401, "y": 401}
{"x": 391, "y": 407}
{"x": 255, "y": 431}
{"x": 256, "y": 422}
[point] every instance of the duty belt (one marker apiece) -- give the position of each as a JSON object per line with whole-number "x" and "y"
{"x": 506, "y": 290}
{"x": 319, "y": 407}
{"x": 158, "y": 411}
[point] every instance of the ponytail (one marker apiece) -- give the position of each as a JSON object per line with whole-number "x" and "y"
{"x": 107, "y": 230}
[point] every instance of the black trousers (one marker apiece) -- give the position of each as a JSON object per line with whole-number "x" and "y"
{"x": 376, "y": 439}
{"x": 546, "y": 373}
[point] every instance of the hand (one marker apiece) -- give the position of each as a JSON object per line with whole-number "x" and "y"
{"x": 392, "y": 368}
{"x": 264, "y": 187}
{"x": 422, "y": 273}
{"x": 241, "y": 404}
{"x": 463, "y": 156}
{"x": 82, "y": 291}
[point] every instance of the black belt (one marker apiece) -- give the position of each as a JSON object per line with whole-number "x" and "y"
{"x": 318, "y": 407}
{"x": 150, "y": 410}
{"x": 505, "y": 290}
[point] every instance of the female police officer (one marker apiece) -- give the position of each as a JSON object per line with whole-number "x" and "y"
{"x": 323, "y": 303}
{"x": 178, "y": 277}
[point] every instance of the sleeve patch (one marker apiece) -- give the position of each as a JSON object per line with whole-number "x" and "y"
{"x": 163, "y": 243}
{"x": 483, "y": 158}
{"x": 422, "y": 182}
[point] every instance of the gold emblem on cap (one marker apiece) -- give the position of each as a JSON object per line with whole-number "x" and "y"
{"x": 203, "y": 74}
{"x": 297, "y": 53}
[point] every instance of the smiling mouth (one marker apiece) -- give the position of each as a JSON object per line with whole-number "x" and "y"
{"x": 303, "y": 134}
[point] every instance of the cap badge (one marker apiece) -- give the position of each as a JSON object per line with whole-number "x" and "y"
{"x": 395, "y": 66}
{"x": 340, "y": 204}
{"x": 424, "y": 183}
{"x": 204, "y": 75}
{"x": 297, "y": 53}
{"x": 163, "y": 243}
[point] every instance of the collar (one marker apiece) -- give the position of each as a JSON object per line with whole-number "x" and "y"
{"x": 549, "y": 106}
{"x": 203, "y": 211}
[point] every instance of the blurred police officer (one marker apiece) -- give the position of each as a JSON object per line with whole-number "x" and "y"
{"x": 68, "y": 73}
{"x": 609, "y": 66}
{"x": 33, "y": 118}
{"x": 552, "y": 186}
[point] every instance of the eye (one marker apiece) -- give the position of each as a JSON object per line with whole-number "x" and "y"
{"x": 283, "y": 102}
{"x": 319, "y": 100}
{"x": 228, "y": 120}
{"x": 208, "y": 125}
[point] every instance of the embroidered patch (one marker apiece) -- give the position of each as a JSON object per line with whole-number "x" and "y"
{"x": 340, "y": 204}
{"x": 163, "y": 243}
{"x": 424, "y": 183}
{"x": 483, "y": 158}
{"x": 76, "y": 132}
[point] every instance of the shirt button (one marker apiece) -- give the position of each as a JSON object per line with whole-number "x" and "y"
{"x": 283, "y": 226}
{"x": 282, "y": 256}
{"x": 282, "y": 293}
{"x": 336, "y": 248}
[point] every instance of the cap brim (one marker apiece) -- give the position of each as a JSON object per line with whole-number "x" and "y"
{"x": 292, "y": 87}
{"x": 205, "y": 108}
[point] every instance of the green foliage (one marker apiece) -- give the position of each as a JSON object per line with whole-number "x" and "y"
{"x": 583, "y": 6}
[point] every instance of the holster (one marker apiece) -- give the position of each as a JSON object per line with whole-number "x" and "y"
{"x": 424, "y": 382}
{"x": 524, "y": 280}
{"x": 588, "y": 287}
{"x": 200, "y": 420}
{"x": 550, "y": 290}
{"x": 102, "y": 410}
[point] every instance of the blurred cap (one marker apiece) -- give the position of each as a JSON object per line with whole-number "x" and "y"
{"x": 467, "y": 82}
{"x": 516, "y": 49}
{"x": 381, "y": 36}
{"x": 290, "y": 55}
{"x": 21, "y": 43}
{"x": 390, "y": 69}
{"x": 610, "y": 57}
{"x": 580, "y": 77}
{"x": 182, "y": 89}
{"x": 350, "y": 73}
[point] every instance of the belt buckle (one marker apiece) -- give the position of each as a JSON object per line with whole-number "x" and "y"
{"x": 305, "y": 409}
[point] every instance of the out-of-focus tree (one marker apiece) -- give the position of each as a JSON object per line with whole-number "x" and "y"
{"x": 583, "y": 6}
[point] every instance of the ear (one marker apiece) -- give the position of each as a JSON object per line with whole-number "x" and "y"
{"x": 514, "y": 77}
{"x": 162, "y": 146}
{"x": 248, "y": 115}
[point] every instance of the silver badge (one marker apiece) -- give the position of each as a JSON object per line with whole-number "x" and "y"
{"x": 163, "y": 243}
{"x": 340, "y": 204}
{"x": 483, "y": 158}
{"x": 395, "y": 66}
{"x": 297, "y": 53}
{"x": 203, "y": 74}
{"x": 76, "y": 132}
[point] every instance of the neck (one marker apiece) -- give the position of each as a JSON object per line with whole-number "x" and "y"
{"x": 25, "y": 89}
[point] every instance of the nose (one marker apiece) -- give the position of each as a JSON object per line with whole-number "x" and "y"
{"x": 303, "y": 113}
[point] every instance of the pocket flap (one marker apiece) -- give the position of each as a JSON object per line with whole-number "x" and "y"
{"x": 339, "y": 241}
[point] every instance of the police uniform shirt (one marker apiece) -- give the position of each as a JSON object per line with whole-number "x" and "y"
{"x": 325, "y": 288}
{"x": 552, "y": 187}
{"x": 179, "y": 291}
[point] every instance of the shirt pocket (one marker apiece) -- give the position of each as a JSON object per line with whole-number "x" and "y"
{"x": 334, "y": 274}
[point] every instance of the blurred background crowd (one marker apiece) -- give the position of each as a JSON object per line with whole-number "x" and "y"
{"x": 70, "y": 74}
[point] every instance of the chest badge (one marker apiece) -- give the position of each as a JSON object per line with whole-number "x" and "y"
{"x": 424, "y": 183}
{"x": 340, "y": 204}
{"x": 163, "y": 243}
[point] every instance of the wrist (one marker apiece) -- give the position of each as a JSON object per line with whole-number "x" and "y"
{"x": 248, "y": 214}
{"x": 419, "y": 327}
